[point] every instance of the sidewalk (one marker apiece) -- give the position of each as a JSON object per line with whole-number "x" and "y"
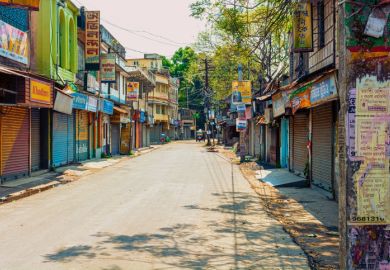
{"x": 24, "y": 187}
{"x": 307, "y": 214}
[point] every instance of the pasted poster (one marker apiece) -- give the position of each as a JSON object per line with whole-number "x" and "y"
{"x": 13, "y": 43}
{"x": 372, "y": 146}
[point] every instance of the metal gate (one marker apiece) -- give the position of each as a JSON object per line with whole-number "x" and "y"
{"x": 300, "y": 139}
{"x": 35, "y": 139}
{"x": 115, "y": 139}
{"x": 322, "y": 152}
{"x": 63, "y": 139}
{"x": 14, "y": 142}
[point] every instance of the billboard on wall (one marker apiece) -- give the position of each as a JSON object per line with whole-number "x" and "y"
{"x": 107, "y": 70}
{"x": 303, "y": 27}
{"x": 92, "y": 40}
{"x": 31, "y": 4}
{"x": 242, "y": 92}
{"x": 13, "y": 43}
{"x": 132, "y": 90}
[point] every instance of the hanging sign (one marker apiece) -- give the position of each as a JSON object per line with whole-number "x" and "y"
{"x": 132, "y": 90}
{"x": 300, "y": 98}
{"x": 242, "y": 92}
{"x": 323, "y": 91}
{"x": 40, "y": 91}
{"x": 31, "y": 4}
{"x": 92, "y": 40}
{"x": 107, "y": 70}
{"x": 13, "y": 43}
{"x": 303, "y": 27}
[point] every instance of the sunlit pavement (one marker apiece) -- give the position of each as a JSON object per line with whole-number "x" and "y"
{"x": 178, "y": 207}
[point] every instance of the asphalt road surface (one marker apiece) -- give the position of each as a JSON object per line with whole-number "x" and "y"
{"x": 178, "y": 207}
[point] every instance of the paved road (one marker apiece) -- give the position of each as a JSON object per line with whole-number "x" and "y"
{"x": 178, "y": 207}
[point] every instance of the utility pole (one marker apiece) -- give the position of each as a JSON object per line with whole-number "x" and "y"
{"x": 363, "y": 136}
{"x": 207, "y": 99}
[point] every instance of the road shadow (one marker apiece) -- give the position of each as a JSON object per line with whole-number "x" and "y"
{"x": 237, "y": 239}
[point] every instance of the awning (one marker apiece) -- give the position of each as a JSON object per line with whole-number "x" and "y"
{"x": 120, "y": 110}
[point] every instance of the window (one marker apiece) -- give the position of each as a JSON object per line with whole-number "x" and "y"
{"x": 72, "y": 39}
{"x": 62, "y": 41}
{"x": 321, "y": 23}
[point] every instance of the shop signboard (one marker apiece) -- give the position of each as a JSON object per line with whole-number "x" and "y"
{"x": 107, "y": 70}
{"x": 241, "y": 125}
{"x": 300, "y": 98}
{"x": 63, "y": 103}
{"x": 142, "y": 117}
{"x": 242, "y": 92}
{"x": 92, "y": 40}
{"x": 132, "y": 90}
{"x": 278, "y": 104}
{"x": 13, "y": 43}
{"x": 31, "y": 4}
{"x": 106, "y": 106}
{"x": 303, "y": 27}
{"x": 40, "y": 91}
{"x": 79, "y": 101}
{"x": 92, "y": 104}
{"x": 323, "y": 91}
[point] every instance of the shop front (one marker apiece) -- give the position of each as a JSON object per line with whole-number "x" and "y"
{"x": 116, "y": 120}
{"x": 80, "y": 104}
{"x": 106, "y": 109}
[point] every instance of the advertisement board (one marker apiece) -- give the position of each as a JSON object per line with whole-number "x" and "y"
{"x": 242, "y": 92}
{"x": 323, "y": 91}
{"x": 13, "y": 43}
{"x": 278, "y": 104}
{"x": 132, "y": 90}
{"x": 107, "y": 70}
{"x": 40, "y": 91}
{"x": 92, "y": 104}
{"x": 241, "y": 125}
{"x": 300, "y": 98}
{"x": 31, "y": 4}
{"x": 79, "y": 101}
{"x": 92, "y": 40}
{"x": 303, "y": 27}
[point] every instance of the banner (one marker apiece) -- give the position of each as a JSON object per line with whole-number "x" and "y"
{"x": 31, "y": 4}
{"x": 300, "y": 98}
{"x": 132, "y": 90}
{"x": 107, "y": 71}
{"x": 303, "y": 27}
{"x": 40, "y": 91}
{"x": 92, "y": 40}
{"x": 13, "y": 43}
{"x": 242, "y": 92}
{"x": 323, "y": 91}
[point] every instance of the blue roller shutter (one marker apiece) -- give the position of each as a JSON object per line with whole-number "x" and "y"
{"x": 63, "y": 139}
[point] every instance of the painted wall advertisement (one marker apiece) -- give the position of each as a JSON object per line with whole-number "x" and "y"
{"x": 13, "y": 43}
{"x": 107, "y": 70}
{"x": 132, "y": 90}
{"x": 31, "y": 4}
{"x": 372, "y": 146}
{"x": 303, "y": 27}
{"x": 242, "y": 92}
{"x": 92, "y": 40}
{"x": 40, "y": 91}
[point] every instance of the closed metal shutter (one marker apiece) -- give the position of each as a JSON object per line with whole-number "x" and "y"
{"x": 322, "y": 158}
{"x": 115, "y": 129}
{"x": 291, "y": 142}
{"x": 15, "y": 129}
{"x": 301, "y": 132}
{"x": 35, "y": 139}
{"x": 63, "y": 139}
{"x": 82, "y": 142}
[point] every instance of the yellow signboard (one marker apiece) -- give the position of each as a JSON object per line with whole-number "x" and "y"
{"x": 40, "y": 91}
{"x": 372, "y": 145}
{"x": 303, "y": 27}
{"x": 32, "y": 4}
{"x": 242, "y": 92}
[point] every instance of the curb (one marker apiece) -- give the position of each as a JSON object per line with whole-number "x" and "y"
{"x": 55, "y": 183}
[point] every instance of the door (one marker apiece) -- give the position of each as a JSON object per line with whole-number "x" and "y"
{"x": 91, "y": 132}
{"x": 115, "y": 139}
{"x": 15, "y": 146}
{"x": 322, "y": 147}
{"x": 300, "y": 139}
{"x": 284, "y": 142}
{"x": 35, "y": 139}
{"x": 63, "y": 139}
